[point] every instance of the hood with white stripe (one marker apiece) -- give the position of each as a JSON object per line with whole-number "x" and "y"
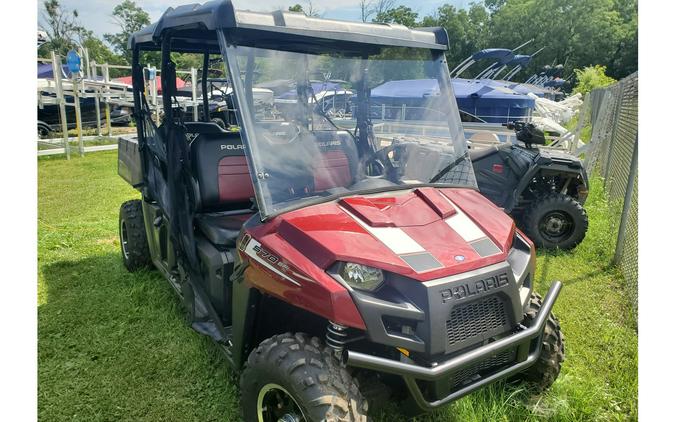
{"x": 423, "y": 233}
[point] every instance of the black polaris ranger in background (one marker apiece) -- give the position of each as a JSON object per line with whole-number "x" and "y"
{"x": 543, "y": 189}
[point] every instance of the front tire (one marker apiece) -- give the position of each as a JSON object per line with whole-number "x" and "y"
{"x": 295, "y": 377}
{"x": 547, "y": 368}
{"x": 133, "y": 239}
{"x": 556, "y": 221}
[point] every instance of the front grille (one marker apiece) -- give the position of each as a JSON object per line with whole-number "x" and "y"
{"x": 465, "y": 375}
{"x": 475, "y": 319}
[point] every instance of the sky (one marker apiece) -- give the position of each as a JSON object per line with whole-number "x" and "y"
{"x": 96, "y": 14}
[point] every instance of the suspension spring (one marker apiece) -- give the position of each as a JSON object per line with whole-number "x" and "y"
{"x": 336, "y": 336}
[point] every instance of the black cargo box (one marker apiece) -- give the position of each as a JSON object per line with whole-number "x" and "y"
{"x": 129, "y": 160}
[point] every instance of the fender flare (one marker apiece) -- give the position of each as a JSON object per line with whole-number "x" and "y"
{"x": 532, "y": 172}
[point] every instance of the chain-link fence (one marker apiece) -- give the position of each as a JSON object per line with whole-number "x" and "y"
{"x": 613, "y": 155}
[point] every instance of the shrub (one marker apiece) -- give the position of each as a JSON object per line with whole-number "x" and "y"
{"x": 591, "y": 77}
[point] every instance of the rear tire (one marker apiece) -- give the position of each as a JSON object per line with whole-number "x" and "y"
{"x": 556, "y": 221}
{"x": 133, "y": 239}
{"x": 302, "y": 374}
{"x": 43, "y": 130}
{"x": 547, "y": 368}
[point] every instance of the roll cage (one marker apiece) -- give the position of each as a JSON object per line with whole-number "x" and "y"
{"x": 207, "y": 29}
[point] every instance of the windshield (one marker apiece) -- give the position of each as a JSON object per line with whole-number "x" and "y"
{"x": 341, "y": 125}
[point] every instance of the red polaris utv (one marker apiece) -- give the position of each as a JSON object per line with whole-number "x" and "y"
{"x": 329, "y": 262}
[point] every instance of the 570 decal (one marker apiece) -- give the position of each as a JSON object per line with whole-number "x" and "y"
{"x": 253, "y": 249}
{"x": 269, "y": 256}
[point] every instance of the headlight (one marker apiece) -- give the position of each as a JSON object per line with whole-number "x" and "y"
{"x": 361, "y": 277}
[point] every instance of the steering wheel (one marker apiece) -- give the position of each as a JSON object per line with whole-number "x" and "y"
{"x": 379, "y": 159}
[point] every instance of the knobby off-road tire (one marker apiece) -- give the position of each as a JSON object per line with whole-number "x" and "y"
{"x": 308, "y": 372}
{"x": 547, "y": 368}
{"x": 544, "y": 216}
{"x": 133, "y": 239}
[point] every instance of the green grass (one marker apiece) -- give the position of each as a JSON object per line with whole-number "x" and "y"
{"x": 114, "y": 345}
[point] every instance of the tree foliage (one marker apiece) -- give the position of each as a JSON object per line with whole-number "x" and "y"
{"x": 468, "y": 30}
{"x": 402, "y": 15}
{"x": 63, "y": 28}
{"x": 309, "y": 9}
{"x": 575, "y": 33}
{"x": 130, "y": 18}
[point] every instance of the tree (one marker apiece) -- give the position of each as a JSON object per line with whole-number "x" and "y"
{"x": 130, "y": 19}
{"x": 402, "y": 15}
{"x": 62, "y": 27}
{"x": 494, "y": 5}
{"x": 99, "y": 52}
{"x": 311, "y": 10}
{"x": 366, "y": 7}
{"x": 577, "y": 33}
{"x": 467, "y": 31}
{"x": 381, "y": 6}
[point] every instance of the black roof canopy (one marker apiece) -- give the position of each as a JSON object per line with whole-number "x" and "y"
{"x": 194, "y": 30}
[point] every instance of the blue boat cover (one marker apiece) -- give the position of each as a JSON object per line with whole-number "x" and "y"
{"x": 486, "y": 99}
{"x": 503, "y": 55}
{"x": 44, "y": 70}
{"x": 555, "y": 83}
{"x": 410, "y": 89}
{"x": 520, "y": 59}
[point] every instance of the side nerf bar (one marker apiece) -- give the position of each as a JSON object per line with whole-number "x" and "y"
{"x": 411, "y": 373}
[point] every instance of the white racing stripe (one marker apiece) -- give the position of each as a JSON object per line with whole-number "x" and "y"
{"x": 463, "y": 225}
{"x": 393, "y": 238}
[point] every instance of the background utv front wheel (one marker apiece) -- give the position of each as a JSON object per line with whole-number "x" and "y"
{"x": 556, "y": 221}
{"x": 547, "y": 368}
{"x": 292, "y": 377}
{"x": 133, "y": 239}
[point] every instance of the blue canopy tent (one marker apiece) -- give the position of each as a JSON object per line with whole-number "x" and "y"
{"x": 420, "y": 100}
